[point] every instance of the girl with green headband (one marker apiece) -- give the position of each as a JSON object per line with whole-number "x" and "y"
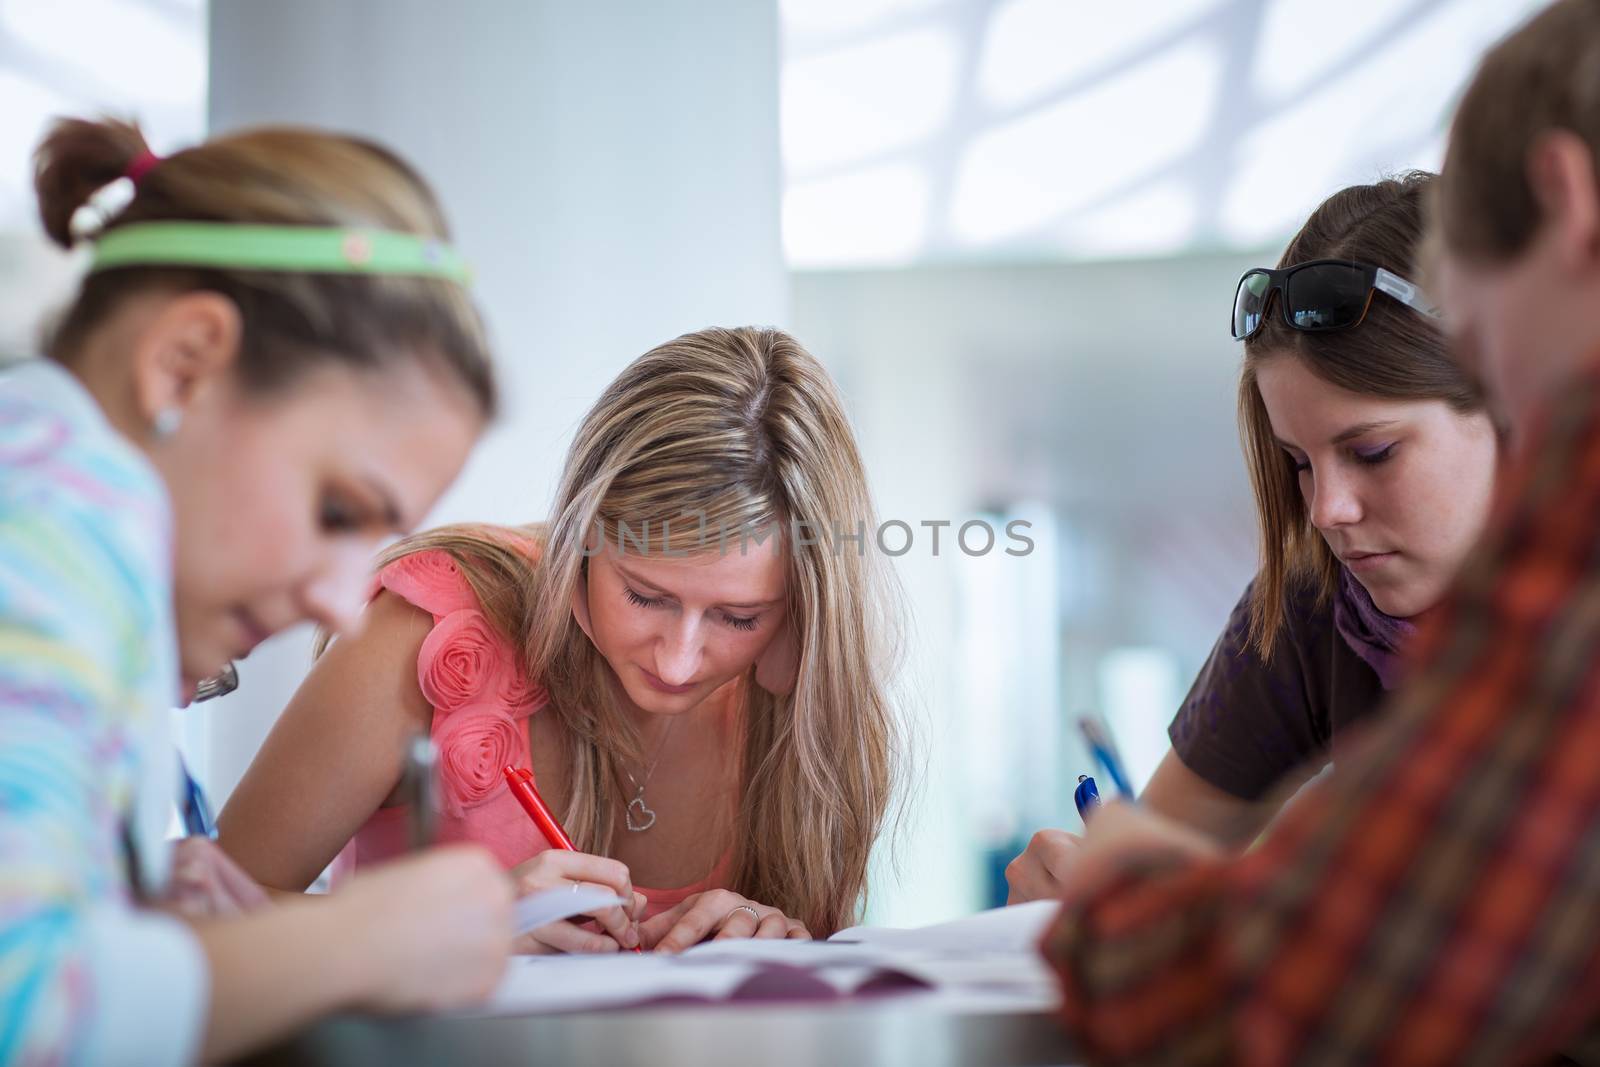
{"x": 219, "y": 437}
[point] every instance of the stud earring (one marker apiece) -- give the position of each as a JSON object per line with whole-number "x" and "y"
{"x": 167, "y": 421}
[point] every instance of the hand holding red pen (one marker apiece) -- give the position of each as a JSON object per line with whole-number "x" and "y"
{"x": 561, "y": 866}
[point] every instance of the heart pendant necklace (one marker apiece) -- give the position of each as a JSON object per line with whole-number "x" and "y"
{"x": 639, "y": 816}
{"x": 646, "y": 817}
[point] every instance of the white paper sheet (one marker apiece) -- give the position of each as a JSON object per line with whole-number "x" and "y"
{"x": 585, "y": 983}
{"x": 993, "y": 950}
{"x": 1014, "y": 929}
{"x": 987, "y": 962}
{"x": 553, "y": 905}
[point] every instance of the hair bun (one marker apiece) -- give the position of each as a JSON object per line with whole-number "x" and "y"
{"x": 76, "y": 158}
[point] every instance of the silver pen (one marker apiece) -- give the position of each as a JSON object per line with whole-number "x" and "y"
{"x": 419, "y": 784}
{"x": 220, "y": 684}
{"x": 198, "y": 819}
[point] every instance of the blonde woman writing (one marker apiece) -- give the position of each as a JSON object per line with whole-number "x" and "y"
{"x": 688, "y": 656}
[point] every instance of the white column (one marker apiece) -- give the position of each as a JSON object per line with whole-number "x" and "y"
{"x": 611, "y": 170}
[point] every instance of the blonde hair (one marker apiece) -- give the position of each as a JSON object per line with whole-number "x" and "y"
{"x": 742, "y": 429}
{"x": 292, "y": 321}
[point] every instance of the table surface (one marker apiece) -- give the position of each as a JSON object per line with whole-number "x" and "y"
{"x": 890, "y": 1032}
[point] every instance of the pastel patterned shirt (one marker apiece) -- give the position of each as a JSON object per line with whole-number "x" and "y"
{"x": 87, "y": 768}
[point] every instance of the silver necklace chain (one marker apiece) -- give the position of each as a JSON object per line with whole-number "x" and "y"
{"x": 639, "y": 816}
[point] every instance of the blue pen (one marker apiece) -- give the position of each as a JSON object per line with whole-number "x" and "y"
{"x": 1105, "y": 753}
{"x": 197, "y": 820}
{"x": 197, "y": 817}
{"x": 1086, "y": 796}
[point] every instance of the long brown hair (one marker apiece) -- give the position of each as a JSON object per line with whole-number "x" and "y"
{"x": 271, "y": 175}
{"x": 742, "y": 429}
{"x": 1395, "y": 353}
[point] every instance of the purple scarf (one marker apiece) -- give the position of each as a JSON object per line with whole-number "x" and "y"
{"x": 1372, "y": 635}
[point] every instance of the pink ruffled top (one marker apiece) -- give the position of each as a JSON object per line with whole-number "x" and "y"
{"x": 481, "y": 698}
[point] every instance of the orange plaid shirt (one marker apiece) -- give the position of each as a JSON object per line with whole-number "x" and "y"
{"x": 1434, "y": 900}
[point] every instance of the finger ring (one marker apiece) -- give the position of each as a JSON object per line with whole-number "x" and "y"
{"x": 754, "y": 914}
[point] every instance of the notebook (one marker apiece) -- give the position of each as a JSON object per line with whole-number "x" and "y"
{"x": 984, "y": 962}
{"x": 1018, "y": 928}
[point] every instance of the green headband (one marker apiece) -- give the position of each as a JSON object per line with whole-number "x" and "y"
{"x": 311, "y": 249}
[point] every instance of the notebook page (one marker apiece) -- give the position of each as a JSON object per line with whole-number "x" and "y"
{"x": 534, "y": 984}
{"x": 974, "y": 964}
{"x": 553, "y": 905}
{"x": 1015, "y": 929}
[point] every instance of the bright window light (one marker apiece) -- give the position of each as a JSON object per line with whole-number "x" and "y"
{"x": 28, "y": 107}
{"x": 851, "y": 103}
{"x": 128, "y": 45}
{"x": 1382, "y": 116}
{"x": 1091, "y": 145}
{"x": 832, "y": 17}
{"x": 1139, "y": 693}
{"x": 141, "y": 59}
{"x": 1052, "y": 128}
{"x": 1158, "y": 221}
{"x": 1034, "y": 46}
{"x": 875, "y": 217}
{"x": 1274, "y": 187}
{"x": 1290, "y": 57}
{"x": 1009, "y": 640}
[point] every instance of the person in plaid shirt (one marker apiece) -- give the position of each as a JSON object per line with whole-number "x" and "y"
{"x": 1436, "y": 898}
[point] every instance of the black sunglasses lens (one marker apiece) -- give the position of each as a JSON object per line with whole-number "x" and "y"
{"x": 1328, "y": 296}
{"x": 1250, "y": 303}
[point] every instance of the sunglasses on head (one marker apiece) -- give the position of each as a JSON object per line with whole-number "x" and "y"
{"x": 1318, "y": 295}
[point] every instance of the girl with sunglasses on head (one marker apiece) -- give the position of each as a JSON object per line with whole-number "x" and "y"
{"x": 1373, "y": 461}
{"x": 1431, "y": 901}
{"x": 689, "y": 657}
{"x": 221, "y": 432}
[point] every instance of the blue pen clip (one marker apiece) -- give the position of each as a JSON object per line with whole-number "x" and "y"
{"x": 1086, "y": 796}
{"x": 197, "y": 819}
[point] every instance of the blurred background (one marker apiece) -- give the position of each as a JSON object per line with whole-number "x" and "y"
{"x": 1011, "y": 228}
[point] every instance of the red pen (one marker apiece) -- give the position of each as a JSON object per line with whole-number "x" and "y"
{"x": 520, "y": 780}
{"x": 521, "y": 783}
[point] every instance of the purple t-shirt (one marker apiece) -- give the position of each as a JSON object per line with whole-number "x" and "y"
{"x": 1247, "y": 723}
